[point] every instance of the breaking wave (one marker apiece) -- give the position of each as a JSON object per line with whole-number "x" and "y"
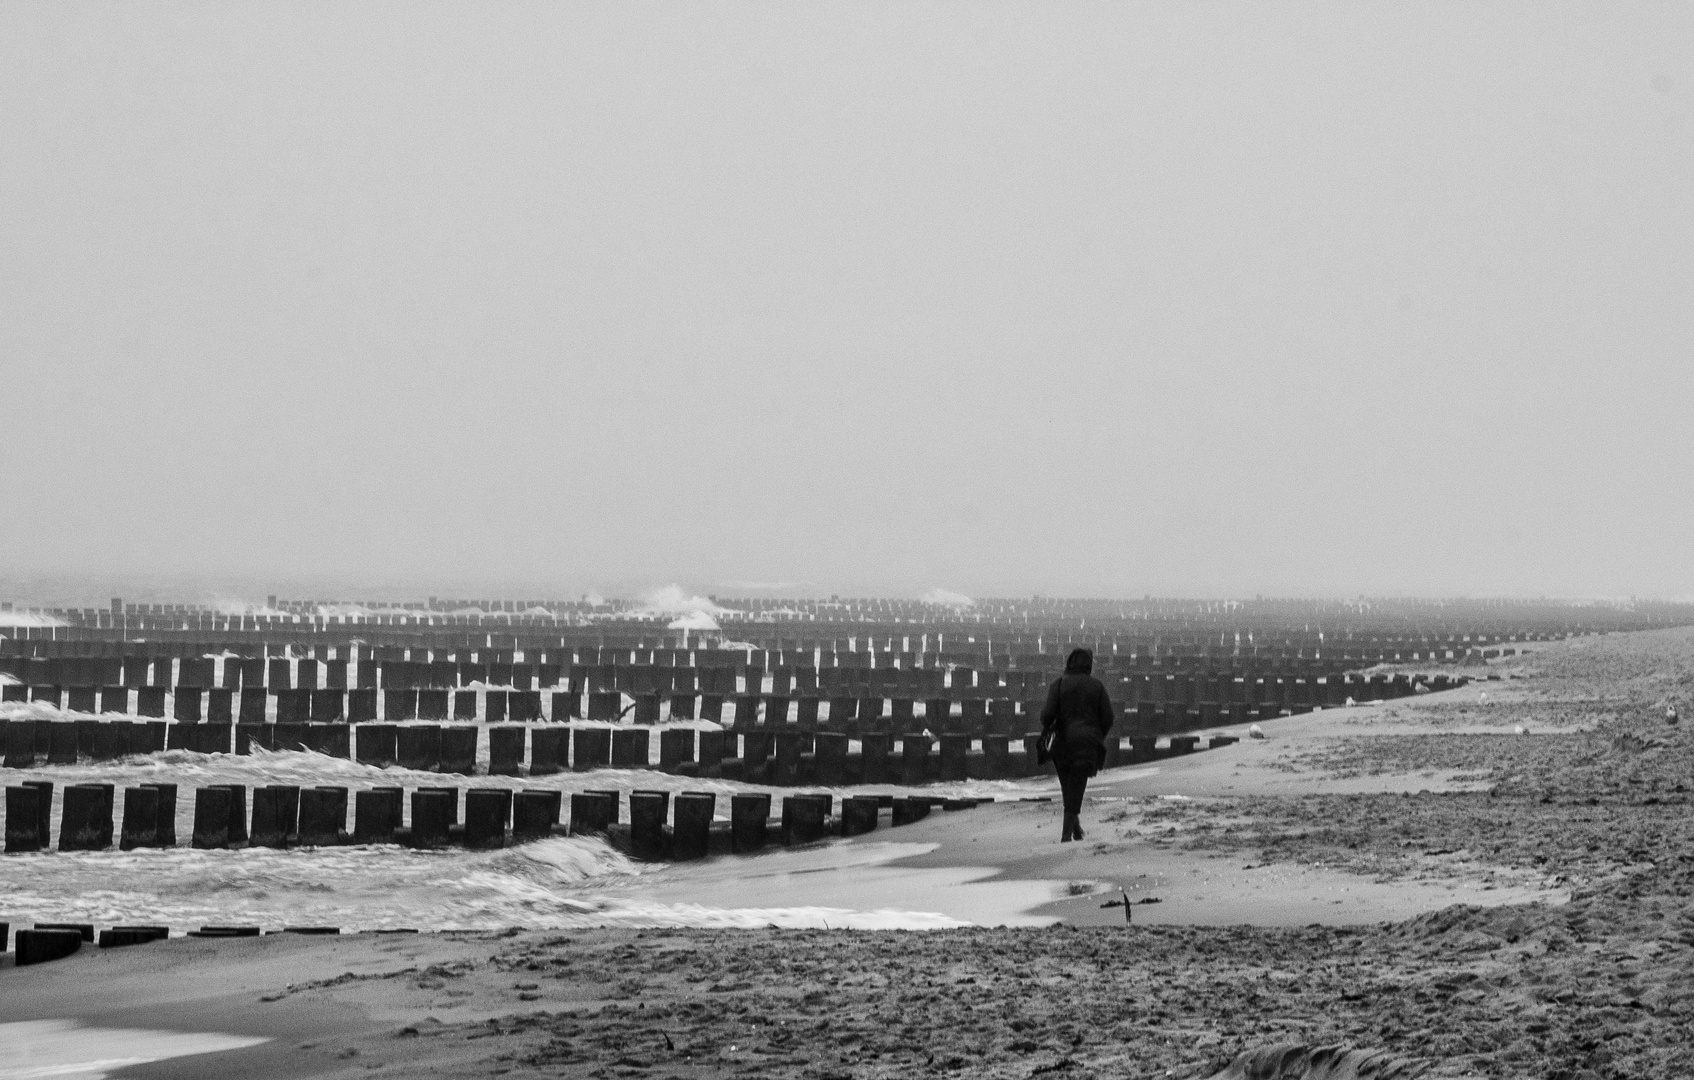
{"x": 558, "y": 882}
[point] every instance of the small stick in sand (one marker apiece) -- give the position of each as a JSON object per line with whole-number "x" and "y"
{"x": 1124, "y": 903}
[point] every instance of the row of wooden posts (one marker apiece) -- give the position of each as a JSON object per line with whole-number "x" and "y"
{"x": 781, "y": 758}
{"x": 657, "y": 826}
{"x": 996, "y": 710}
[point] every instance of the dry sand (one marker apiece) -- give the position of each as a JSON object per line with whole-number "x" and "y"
{"x": 1413, "y": 815}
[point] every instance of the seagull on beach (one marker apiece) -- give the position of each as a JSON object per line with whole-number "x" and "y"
{"x": 1255, "y": 732}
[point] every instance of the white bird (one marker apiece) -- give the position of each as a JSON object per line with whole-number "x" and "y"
{"x": 1256, "y": 732}
{"x": 1519, "y": 729}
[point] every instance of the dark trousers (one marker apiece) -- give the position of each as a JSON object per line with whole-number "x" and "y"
{"x": 1073, "y": 782}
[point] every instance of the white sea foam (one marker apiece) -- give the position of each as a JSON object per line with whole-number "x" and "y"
{"x": 947, "y": 598}
{"x": 29, "y": 618}
{"x": 43, "y": 1048}
{"x": 559, "y": 882}
{"x": 694, "y": 620}
{"x": 43, "y": 710}
{"x": 686, "y": 612}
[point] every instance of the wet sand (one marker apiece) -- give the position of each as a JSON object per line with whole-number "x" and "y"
{"x": 1510, "y": 905}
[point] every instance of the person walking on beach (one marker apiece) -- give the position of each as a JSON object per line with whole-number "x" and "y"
{"x": 1078, "y": 715}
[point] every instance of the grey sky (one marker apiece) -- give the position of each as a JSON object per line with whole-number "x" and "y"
{"x": 1192, "y": 298}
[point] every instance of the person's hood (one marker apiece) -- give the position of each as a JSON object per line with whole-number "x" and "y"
{"x": 1080, "y": 662}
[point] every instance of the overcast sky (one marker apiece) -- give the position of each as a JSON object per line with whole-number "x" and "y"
{"x": 1079, "y": 299}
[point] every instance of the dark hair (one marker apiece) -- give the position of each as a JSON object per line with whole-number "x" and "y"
{"x": 1079, "y": 662}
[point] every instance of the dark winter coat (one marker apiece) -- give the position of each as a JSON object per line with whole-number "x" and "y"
{"x": 1079, "y": 708}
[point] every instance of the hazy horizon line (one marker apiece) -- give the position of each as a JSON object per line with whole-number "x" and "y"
{"x": 72, "y": 591}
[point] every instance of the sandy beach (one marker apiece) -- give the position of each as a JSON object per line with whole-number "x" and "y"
{"x": 1416, "y": 877}
{"x": 604, "y": 540}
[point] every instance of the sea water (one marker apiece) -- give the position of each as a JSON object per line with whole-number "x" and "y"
{"x": 557, "y": 882}
{"x": 32, "y": 1049}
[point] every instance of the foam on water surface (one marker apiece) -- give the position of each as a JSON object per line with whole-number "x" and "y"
{"x": 857, "y": 886}
{"x": 33, "y": 1049}
{"x": 560, "y": 882}
{"x": 557, "y": 883}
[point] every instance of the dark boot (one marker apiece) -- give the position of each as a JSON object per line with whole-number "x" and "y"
{"x": 1076, "y": 827}
{"x": 1071, "y": 830}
